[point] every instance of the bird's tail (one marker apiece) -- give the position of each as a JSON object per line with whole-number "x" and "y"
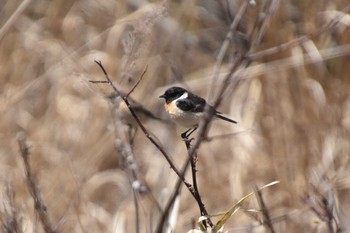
{"x": 218, "y": 115}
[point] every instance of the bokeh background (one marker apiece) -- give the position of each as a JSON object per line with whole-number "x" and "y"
{"x": 293, "y": 109}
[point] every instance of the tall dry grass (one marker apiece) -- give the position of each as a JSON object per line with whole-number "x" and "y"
{"x": 292, "y": 107}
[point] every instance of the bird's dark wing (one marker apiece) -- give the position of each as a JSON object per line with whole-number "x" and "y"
{"x": 185, "y": 104}
{"x": 192, "y": 104}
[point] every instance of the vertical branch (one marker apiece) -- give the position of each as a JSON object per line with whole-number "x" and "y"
{"x": 123, "y": 145}
{"x": 225, "y": 45}
{"x": 193, "y": 160}
{"x": 8, "y": 214}
{"x": 265, "y": 213}
{"x": 176, "y": 191}
{"x": 39, "y": 204}
{"x": 267, "y": 16}
{"x": 137, "y": 83}
{"x": 137, "y": 210}
{"x": 323, "y": 208}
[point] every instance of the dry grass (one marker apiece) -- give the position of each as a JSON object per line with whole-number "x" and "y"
{"x": 294, "y": 118}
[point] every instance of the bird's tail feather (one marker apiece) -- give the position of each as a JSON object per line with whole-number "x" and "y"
{"x": 225, "y": 118}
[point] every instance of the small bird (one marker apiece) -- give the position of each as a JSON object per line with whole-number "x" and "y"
{"x": 186, "y": 109}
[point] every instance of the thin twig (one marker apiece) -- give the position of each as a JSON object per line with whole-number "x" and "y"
{"x": 115, "y": 89}
{"x": 323, "y": 208}
{"x": 204, "y": 124}
{"x": 98, "y": 81}
{"x": 170, "y": 203}
{"x": 225, "y": 45}
{"x": 137, "y": 83}
{"x": 267, "y": 18}
{"x": 226, "y": 136}
{"x": 39, "y": 204}
{"x": 9, "y": 218}
{"x": 193, "y": 161}
{"x": 265, "y": 213}
{"x": 137, "y": 209}
{"x": 4, "y": 29}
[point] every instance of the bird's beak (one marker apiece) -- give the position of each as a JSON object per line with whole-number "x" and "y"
{"x": 162, "y": 96}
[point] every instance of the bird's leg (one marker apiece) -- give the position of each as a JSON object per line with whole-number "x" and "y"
{"x": 192, "y": 131}
{"x": 188, "y": 133}
{"x": 184, "y": 134}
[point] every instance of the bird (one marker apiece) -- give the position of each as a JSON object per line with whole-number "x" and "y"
{"x": 186, "y": 109}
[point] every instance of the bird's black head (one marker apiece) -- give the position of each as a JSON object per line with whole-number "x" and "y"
{"x": 172, "y": 93}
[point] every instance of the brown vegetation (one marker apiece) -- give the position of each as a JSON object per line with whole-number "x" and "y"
{"x": 292, "y": 104}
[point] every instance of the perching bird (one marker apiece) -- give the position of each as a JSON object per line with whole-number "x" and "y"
{"x": 186, "y": 109}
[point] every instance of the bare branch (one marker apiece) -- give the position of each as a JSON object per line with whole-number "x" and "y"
{"x": 176, "y": 191}
{"x": 193, "y": 160}
{"x": 39, "y": 204}
{"x": 323, "y": 208}
{"x": 101, "y": 81}
{"x": 137, "y": 83}
{"x": 265, "y": 213}
{"x": 20, "y": 9}
{"x": 99, "y": 63}
{"x": 225, "y": 45}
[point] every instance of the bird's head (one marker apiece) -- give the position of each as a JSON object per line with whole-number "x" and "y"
{"x": 174, "y": 93}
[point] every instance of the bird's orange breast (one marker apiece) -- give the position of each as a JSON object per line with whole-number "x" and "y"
{"x": 172, "y": 109}
{"x": 182, "y": 118}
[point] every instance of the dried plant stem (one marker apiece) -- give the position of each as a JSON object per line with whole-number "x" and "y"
{"x": 193, "y": 161}
{"x": 137, "y": 83}
{"x": 4, "y": 29}
{"x": 176, "y": 191}
{"x": 265, "y": 23}
{"x": 39, "y": 204}
{"x": 9, "y": 217}
{"x": 300, "y": 40}
{"x": 137, "y": 210}
{"x": 323, "y": 208}
{"x": 225, "y": 45}
{"x": 125, "y": 150}
{"x": 265, "y": 213}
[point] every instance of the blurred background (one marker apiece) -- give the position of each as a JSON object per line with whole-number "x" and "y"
{"x": 293, "y": 109}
